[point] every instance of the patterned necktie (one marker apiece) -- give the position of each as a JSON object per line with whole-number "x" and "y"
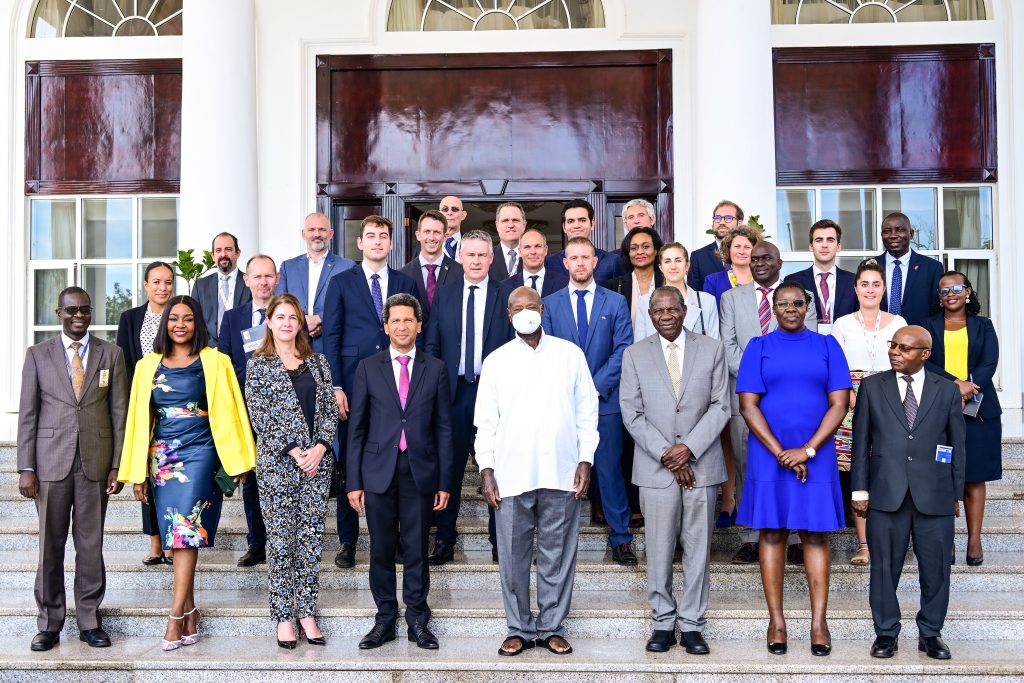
{"x": 896, "y": 295}
{"x": 533, "y": 281}
{"x": 764, "y": 309}
{"x": 824, "y": 298}
{"x": 449, "y": 247}
{"x": 581, "y": 316}
{"x": 470, "y": 358}
{"x": 403, "y": 394}
{"x": 378, "y": 298}
{"x": 910, "y": 402}
{"x": 673, "y": 368}
{"x": 512, "y": 262}
{"x": 77, "y": 370}
{"x": 222, "y": 299}
{"x": 431, "y": 283}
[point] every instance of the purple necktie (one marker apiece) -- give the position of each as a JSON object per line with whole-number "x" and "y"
{"x": 431, "y": 282}
{"x": 378, "y": 297}
{"x": 403, "y": 394}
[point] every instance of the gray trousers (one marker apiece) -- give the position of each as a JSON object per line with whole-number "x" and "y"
{"x": 81, "y": 504}
{"x": 670, "y": 514}
{"x": 555, "y": 515}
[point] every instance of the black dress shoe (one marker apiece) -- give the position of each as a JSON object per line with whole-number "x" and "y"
{"x": 884, "y": 647}
{"x": 252, "y": 557}
{"x": 422, "y": 636}
{"x": 747, "y": 554}
{"x": 153, "y": 561}
{"x": 795, "y": 554}
{"x": 694, "y": 643}
{"x": 45, "y": 640}
{"x": 95, "y": 637}
{"x": 442, "y": 552}
{"x": 378, "y": 635}
{"x": 494, "y": 554}
{"x": 623, "y": 554}
{"x": 346, "y": 557}
{"x": 661, "y": 641}
{"x": 933, "y": 646}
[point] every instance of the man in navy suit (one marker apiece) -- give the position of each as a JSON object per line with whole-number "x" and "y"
{"x": 354, "y": 330}
{"x": 510, "y": 221}
{"x": 467, "y": 323}
{"x": 706, "y": 260}
{"x": 306, "y": 276}
{"x": 241, "y": 332}
{"x": 911, "y": 279}
{"x": 597, "y": 320}
{"x": 400, "y": 467}
{"x": 832, "y": 287}
{"x": 431, "y": 268}
{"x": 223, "y": 290}
{"x": 533, "y": 248}
{"x": 578, "y": 221}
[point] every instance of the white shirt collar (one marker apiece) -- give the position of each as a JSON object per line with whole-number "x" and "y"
{"x": 230, "y": 277}
{"x": 918, "y": 377}
{"x": 818, "y": 271}
{"x": 904, "y": 260}
{"x": 370, "y": 273}
{"x": 592, "y": 287}
{"x": 482, "y": 285}
{"x": 68, "y": 341}
{"x": 680, "y": 341}
{"x": 395, "y": 354}
{"x": 317, "y": 262}
{"x": 527, "y": 275}
{"x": 771, "y": 287}
{"x": 424, "y": 262}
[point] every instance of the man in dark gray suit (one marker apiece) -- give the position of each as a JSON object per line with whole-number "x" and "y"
{"x": 674, "y": 404}
{"x": 71, "y": 420}
{"x": 909, "y": 464}
{"x": 431, "y": 268}
{"x": 224, "y": 289}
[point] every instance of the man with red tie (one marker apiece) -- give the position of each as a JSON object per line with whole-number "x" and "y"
{"x": 431, "y": 268}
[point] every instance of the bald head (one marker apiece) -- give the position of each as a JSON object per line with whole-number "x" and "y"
{"x": 765, "y": 263}
{"x": 454, "y": 212}
{"x": 524, "y": 298}
{"x": 911, "y": 346}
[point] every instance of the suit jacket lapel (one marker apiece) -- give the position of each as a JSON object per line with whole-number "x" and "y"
{"x": 388, "y": 376}
{"x": 563, "y": 298}
{"x": 240, "y": 288}
{"x": 330, "y": 260}
{"x": 364, "y": 291}
{"x": 892, "y": 396}
{"x": 95, "y": 359}
{"x": 657, "y": 360}
{"x": 415, "y": 379}
{"x": 60, "y": 362}
{"x": 689, "y": 355}
{"x": 928, "y": 400}
{"x": 490, "y": 306}
{"x": 302, "y": 286}
{"x": 595, "y": 314}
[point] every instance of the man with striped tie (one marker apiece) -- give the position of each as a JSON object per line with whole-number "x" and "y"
{"x": 454, "y": 213}
{"x": 746, "y": 312}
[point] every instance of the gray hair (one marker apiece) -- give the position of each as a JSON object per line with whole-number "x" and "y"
{"x": 476, "y": 235}
{"x": 403, "y": 300}
{"x": 639, "y": 202}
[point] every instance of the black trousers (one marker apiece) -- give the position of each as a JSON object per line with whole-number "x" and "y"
{"x": 889, "y": 535}
{"x": 401, "y": 506}
{"x": 463, "y": 433}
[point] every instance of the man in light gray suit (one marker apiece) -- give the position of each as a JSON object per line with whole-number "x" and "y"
{"x": 673, "y": 399}
{"x": 71, "y": 419}
{"x": 745, "y": 313}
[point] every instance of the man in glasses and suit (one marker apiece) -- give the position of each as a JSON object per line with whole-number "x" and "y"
{"x": 707, "y": 260}
{"x": 454, "y": 213}
{"x": 71, "y": 420}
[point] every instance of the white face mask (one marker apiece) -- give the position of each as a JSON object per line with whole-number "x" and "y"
{"x": 526, "y": 321}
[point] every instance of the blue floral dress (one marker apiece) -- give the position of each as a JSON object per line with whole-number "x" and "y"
{"x": 183, "y": 460}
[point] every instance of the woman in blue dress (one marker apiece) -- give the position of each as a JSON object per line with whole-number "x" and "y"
{"x": 186, "y": 420}
{"x": 794, "y": 387}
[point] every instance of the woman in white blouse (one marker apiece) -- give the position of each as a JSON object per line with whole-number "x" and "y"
{"x": 864, "y": 336}
{"x": 701, "y": 310}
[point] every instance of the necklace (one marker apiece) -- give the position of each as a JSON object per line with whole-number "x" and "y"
{"x": 872, "y": 342}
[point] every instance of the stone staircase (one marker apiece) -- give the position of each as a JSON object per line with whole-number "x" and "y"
{"x": 608, "y": 624}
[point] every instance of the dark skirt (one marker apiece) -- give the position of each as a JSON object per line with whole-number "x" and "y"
{"x": 984, "y": 449}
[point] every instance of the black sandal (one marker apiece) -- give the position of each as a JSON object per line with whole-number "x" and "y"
{"x": 546, "y": 643}
{"x": 153, "y": 560}
{"x": 523, "y": 646}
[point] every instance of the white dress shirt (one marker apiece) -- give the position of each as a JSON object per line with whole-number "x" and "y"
{"x": 902, "y": 385}
{"x": 479, "y": 305}
{"x": 424, "y": 263}
{"x": 383, "y": 272}
{"x": 397, "y": 367}
{"x": 890, "y": 266}
{"x": 505, "y": 251}
{"x": 589, "y": 299}
{"x": 536, "y": 415}
{"x": 315, "y": 268}
{"x": 771, "y": 292}
{"x": 830, "y": 306}
{"x": 642, "y": 325}
{"x": 256, "y": 322}
{"x": 68, "y": 351}
{"x": 528, "y": 279}
{"x": 457, "y": 236}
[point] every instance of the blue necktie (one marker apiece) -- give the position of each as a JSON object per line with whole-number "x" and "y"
{"x": 896, "y": 298}
{"x": 378, "y": 299}
{"x": 470, "y": 362}
{"x": 581, "y": 316}
{"x": 533, "y": 281}
{"x": 449, "y": 247}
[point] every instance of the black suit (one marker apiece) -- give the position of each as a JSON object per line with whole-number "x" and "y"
{"x": 909, "y": 492}
{"x": 450, "y": 271}
{"x": 206, "y": 293}
{"x": 844, "y": 296}
{"x": 499, "y": 266}
{"x": 444, "y": 341}
{"x": 553, "y": 281}
{"x": 703, "y": 262}
{"x": 920, "y": 282}
{"x": 400, "y": 485}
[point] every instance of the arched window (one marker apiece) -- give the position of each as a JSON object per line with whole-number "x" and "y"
{"x": 493, "y": 15}
{"x": 875, "y": 11}
{"x": 105, "y": 18}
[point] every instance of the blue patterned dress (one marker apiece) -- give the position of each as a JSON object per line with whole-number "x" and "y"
{"x": 183, "y": 460}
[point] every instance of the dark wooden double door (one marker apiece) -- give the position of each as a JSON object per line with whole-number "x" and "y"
{"x": 397, "y": 132}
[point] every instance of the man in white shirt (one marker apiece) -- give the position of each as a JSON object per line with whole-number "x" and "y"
{"x": 510, "y": 221}
{"x": 536, "y": 418}
{"x": 431, "y": 268}
{"x": 831, "y": 286}
{"x": 454, "y": 213}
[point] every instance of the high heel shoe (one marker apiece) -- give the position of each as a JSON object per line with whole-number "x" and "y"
{"x": 822, "y": 650}
{"x": 194, "y": 638}
{"x": 319, "y": 640}
{"x": 287, "y": 644}
{"x": 776, "y": 648}
{"x": 168, "y": 645}
{"x": 975, "y": 561}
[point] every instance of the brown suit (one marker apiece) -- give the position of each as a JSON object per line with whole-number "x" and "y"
{"x": 71, "y": 444}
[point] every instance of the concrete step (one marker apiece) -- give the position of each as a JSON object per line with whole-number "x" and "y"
{"x": 594, "y": 614}
{"x": 473, "y": 659}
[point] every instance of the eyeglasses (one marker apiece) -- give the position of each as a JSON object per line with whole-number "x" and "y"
{"x": 906, "y": 348}
{"x": 795, "y": 303}
{"x": 956, "y": 289}
{"x": 723, "y": 219}
{"x": 451, "y": 209}
{"x": 73, "y": 310}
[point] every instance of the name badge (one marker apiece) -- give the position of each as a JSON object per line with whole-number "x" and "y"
{"x": 944, "y": 454}
{"x": 253, "y": 337}
{"x": 104, "y": 378}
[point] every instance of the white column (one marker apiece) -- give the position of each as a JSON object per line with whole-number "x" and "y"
{"x": 733, "y": 104}
{"x": 218, "y": 125}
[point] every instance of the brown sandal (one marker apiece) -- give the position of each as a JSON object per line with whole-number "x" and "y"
{"x": 862, "y": 558}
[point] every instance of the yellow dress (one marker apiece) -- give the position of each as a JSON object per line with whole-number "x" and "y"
{"x": 955, "y": 342}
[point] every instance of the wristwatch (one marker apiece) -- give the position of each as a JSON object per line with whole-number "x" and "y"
{"x": 809, "y": 451}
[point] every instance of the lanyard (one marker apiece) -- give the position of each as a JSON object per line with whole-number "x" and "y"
{"x": 871, "y": 343}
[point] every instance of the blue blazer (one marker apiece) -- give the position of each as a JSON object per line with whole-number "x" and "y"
{"x": 352, "y": 330}
{"x": 377, "y": 420}
{"x": 295, "y": 280}
{"x": 920, "y": 298}
{"x": 703, "y": 262}
{"x": 230, "y": 341}
{"x": 844, "y": 298}
{"x": 608, "y": 265}
{"x": 609, "y": 333}
{"x": 716, "y": 284}
{"x": 444, "y": 331}
{"x": 553, "y": 281}
{"x": 982, "y": 358}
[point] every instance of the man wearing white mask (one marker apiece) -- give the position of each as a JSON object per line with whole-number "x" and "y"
{"x": 536, "y": 419}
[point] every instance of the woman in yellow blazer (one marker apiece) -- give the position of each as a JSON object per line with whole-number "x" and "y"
{"x": 186, "y": 421}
